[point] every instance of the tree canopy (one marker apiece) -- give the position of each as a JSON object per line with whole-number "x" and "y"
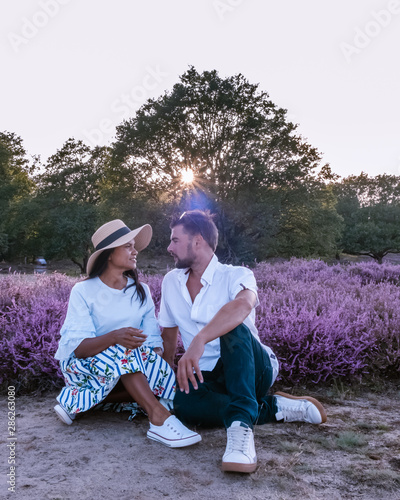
{"x": 225, "y": 130}
{"x": 370, "y": 207}
{"x": 16, "y": 183}
{"x": 265, "y": 183}
{"x": 245, "y": 156}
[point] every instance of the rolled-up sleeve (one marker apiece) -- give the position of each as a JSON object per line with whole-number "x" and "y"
{"x": 243, "y": 279}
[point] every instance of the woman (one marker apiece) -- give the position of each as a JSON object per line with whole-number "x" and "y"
{"x": 110, "y": 335}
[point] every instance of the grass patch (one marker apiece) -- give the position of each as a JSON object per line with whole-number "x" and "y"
{"x": 350, "y": 441}
{"x": 372, "y": 426}
{"x": 386, "y": 479}
{"x": 290, "y": 446}
{"x": 323, "y": 441}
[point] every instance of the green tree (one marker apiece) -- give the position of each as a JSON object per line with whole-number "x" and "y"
{"x": 67, "y": 202}
{"x": 225, "y": 130}
{"x": 370, "y": 207}
{"x": 65, "y": 232}
{"x": 16, "y": 185}
{"x": 242, "y": 150}
{"x": 74, "y": 173}
{"x": 310, "y": 224}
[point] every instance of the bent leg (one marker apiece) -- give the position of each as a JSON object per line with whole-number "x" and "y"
{"x": 118, "y": 395}
{"x": 90, "y": 381}
{"x": 205, "y": 406}
{"x": 236, "y": 389}
{"x": 267, "y": 410}
{"x": 160, "y": 376}
{"x": 248, "y": 377}
{"x": 138, "y": 387}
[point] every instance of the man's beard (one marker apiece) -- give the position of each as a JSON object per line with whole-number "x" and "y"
{"x": 184, "y": 263}
{"x": 187, "y": 261}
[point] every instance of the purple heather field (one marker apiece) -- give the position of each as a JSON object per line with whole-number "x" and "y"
{"x": 324, "y": 322}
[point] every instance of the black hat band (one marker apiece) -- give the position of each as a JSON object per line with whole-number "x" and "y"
{"x": 113, "y": 237}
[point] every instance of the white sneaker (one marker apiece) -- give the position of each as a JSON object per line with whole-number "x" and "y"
{"x": 63, "y": 415}
{"x": 173, "y": 433}
{"x": 299, "y": 409}
{"x": 240, "y": 454}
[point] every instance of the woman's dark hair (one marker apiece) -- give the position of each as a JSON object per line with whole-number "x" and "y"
{"x": 100, "y": 265}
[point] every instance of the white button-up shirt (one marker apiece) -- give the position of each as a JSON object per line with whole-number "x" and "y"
{"x": 221, "y": 283}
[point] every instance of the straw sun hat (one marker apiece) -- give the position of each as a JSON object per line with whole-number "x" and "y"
{"x": 114, "y": 234}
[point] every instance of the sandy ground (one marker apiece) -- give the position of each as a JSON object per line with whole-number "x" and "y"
{"x": 356, "y": 454}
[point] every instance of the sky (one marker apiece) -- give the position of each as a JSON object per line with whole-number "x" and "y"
{"x": 78, "y": 68}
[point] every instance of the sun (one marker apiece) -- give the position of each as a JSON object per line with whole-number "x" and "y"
{"x": 187, "y": 176}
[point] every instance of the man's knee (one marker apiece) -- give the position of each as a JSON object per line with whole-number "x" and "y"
{"x": 239, "y": 337}
{"x": 187, "y": 407}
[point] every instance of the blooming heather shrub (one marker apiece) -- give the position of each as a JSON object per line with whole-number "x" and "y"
{"x": 330, "y": 322}
{"x": 32, "y": 310}
{"x": 323, "y": 322}
{"x": 154, "y": 281}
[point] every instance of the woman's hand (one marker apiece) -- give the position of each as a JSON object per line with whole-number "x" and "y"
{"x": 129, "y": 337}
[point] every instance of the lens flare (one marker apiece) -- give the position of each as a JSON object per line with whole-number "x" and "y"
{"x": 187, "y": 176}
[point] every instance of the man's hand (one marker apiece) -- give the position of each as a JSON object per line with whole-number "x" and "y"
{"x": 188, "y": 362}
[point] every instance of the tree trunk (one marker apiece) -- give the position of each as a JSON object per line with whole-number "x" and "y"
{"x": 82, "y": 267}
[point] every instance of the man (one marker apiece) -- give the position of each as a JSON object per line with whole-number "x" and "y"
{"x": 226, "y": 373}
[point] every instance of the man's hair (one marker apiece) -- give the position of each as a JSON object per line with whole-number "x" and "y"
{"x": 199, "y": 222}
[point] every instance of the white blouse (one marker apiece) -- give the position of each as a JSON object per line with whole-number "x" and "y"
{"x": 95, "y": 309}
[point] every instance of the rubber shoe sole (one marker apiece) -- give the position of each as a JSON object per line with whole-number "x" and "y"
{"x": 236, "y": 467}
{"x": 174, "y": 443}
{"x": 315, "y": 402}
{"x": 63, "y": 415}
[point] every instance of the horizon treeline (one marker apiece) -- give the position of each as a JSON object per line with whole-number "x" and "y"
{"x": 211, "y": 143}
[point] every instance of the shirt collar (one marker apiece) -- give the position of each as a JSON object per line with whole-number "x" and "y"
{"x": 208, "y": 274}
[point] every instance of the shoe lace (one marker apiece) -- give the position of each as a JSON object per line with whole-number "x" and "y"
{"x": 239, "y": 438}
{"x": 293, "y": 413}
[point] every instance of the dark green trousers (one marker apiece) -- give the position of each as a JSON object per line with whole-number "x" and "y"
{"x": 236, "y": 389}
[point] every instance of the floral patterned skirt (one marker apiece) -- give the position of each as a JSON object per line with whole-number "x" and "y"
{"x": 89, "y": 380}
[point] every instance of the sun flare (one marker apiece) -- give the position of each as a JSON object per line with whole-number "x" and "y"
{"x": 187, "y": 176}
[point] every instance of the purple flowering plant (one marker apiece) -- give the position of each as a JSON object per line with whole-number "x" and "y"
{"x": 32, "y": 310}
{"x": 323, "y": 322}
